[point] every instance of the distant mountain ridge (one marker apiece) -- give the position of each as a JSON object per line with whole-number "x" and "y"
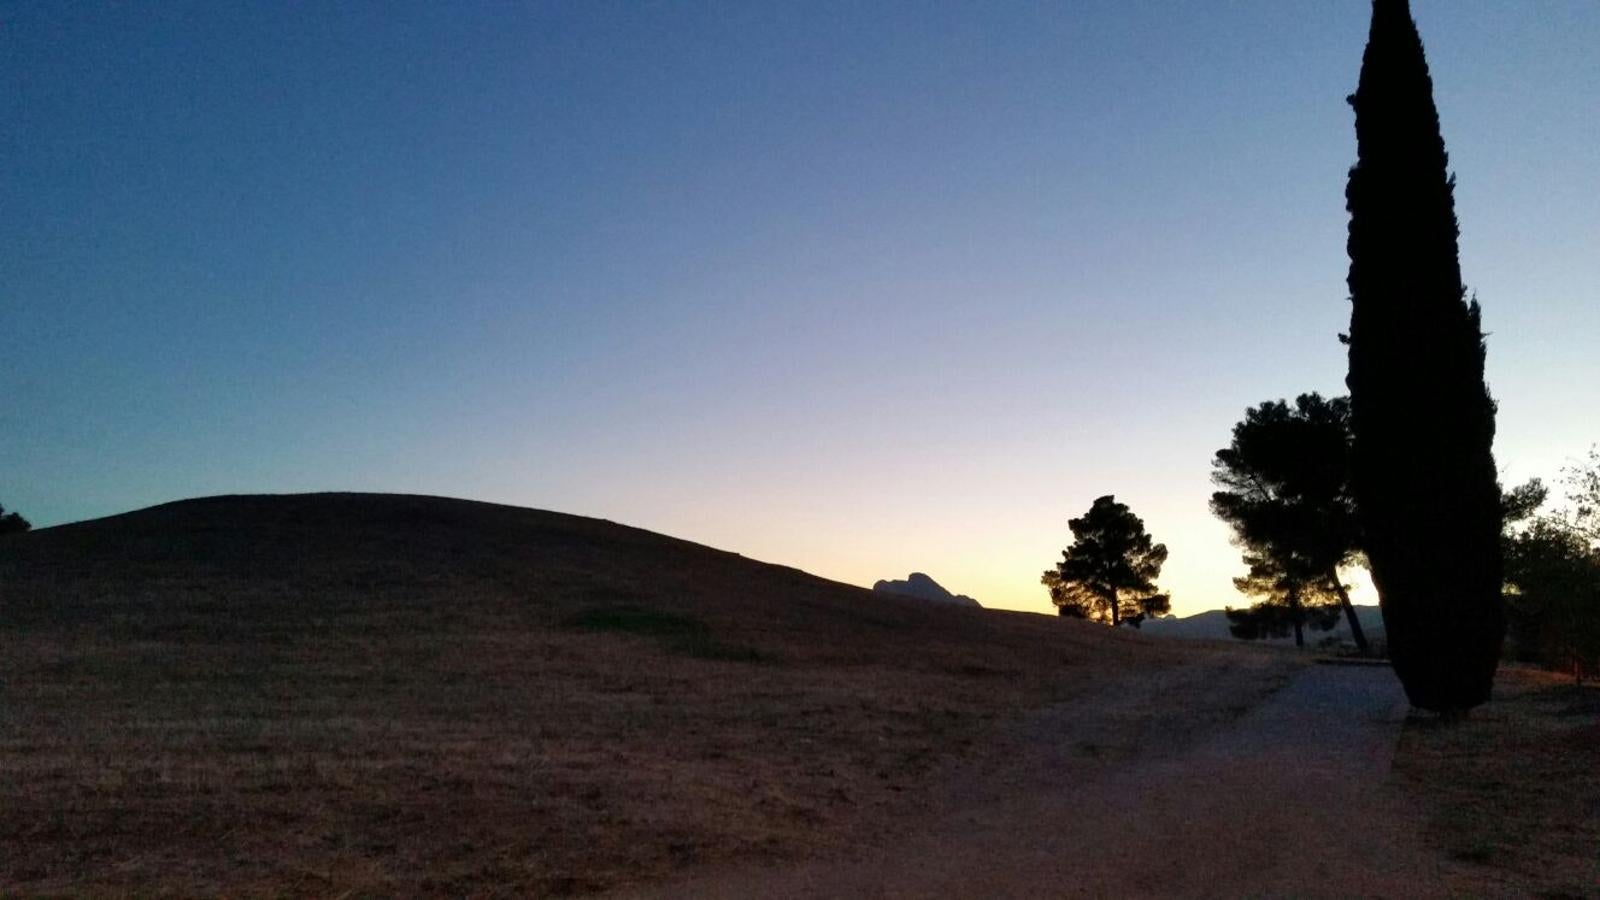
{"x": 1213, "y": 625}
{"x": 923, "y": 587}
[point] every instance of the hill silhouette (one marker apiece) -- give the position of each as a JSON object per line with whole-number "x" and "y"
{"x": 405, "y": 694}
{"x": 408, "y": 694}
{"x": 341, "y": 554}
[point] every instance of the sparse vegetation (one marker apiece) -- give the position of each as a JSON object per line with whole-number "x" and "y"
{"x": 1582, "y": 479}
{"x": 1511, "y": 793}
{"x": 636, "y": 620}
{"x": 680, "y": 633}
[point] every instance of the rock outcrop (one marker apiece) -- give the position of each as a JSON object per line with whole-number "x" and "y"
{"x": 924, "y": 588}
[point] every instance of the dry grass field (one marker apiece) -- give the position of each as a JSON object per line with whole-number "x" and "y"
{"x": 378, "y": 694}
{"x": 1512, "y": 794}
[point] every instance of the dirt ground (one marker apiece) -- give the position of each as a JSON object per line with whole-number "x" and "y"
{"x": 1326, "y": 788}
{"x": 1286, "y": 800}
{"x": 1512, "y": 794}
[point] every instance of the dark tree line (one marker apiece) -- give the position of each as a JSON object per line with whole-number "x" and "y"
{"x": 1285, "y": 478}
{"x": 1552, "y": 565}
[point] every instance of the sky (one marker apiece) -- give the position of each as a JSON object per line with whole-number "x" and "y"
{"x": 862, "y": 288}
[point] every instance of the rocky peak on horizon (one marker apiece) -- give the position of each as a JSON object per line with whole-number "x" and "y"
{"x": 921, "y": 586}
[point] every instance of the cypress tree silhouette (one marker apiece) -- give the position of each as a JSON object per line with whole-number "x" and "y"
{"x": 1422, "y": 421}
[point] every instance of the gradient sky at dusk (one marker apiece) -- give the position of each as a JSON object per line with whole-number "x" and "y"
{"x": 856, "y": 287}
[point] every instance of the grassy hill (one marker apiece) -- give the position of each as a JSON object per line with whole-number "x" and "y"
{"x": 379, "y": 693}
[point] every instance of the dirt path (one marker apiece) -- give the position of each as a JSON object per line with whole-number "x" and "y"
{"x": 1284, "y": 801}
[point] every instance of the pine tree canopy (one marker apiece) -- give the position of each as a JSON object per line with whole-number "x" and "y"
{"x": 1109, "y": 572}
{"x": 1286, "y": 496}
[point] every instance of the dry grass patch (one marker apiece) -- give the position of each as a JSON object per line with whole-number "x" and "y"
{"x": 388, "y": 695}
{"x": 1513, "y": 793}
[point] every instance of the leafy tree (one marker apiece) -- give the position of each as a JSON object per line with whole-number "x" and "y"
{"x": 1583, "y": 493}
{"x": 1553, "y": 596}
{"x": 1109, "y": 572}
{"x": 1292, "y": 601}
{"x": 1286, "y": 495}
{"x": 11, "y": 523}
{"x": 1422, "y": 421}
{"x": 1521, "y": 503}
{"x": 1553, "y": 576}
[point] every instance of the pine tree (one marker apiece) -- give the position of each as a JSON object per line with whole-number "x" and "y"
{"x": 1109, "y": 572}
{"x": 1422, "y": 421}
{"x": 1285, "y": 480}
{"x": 1291, "y": 601}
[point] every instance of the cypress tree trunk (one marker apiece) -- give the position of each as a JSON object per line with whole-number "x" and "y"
{"x": 1422, "y": 422}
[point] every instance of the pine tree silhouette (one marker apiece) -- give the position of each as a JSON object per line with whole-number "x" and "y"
{"x": 1422, "y": 421}
{"x": 1285, "y": 480}
{"x": 1109, "y": 572}
{"x": 11, "y": 523}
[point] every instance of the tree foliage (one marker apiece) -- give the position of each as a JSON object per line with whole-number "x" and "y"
{"x": 1290, "y": 603}
{"x": 1522, "y": 503}
{"x": 1109, "y": 572}
{"x": 11, "y": 523}
{"x": 1285, "y": 492}
{"x": 1422, "y": 421}
{"x": 1553, "y": 575}
{"x": 1553, "y": 597}
{"x": 1583, "y": 495}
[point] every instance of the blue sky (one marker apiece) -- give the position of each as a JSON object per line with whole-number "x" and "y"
{"x": 856, "y": 287}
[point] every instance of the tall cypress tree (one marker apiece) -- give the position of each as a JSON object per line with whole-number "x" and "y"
{"x": 1422, "y": 421}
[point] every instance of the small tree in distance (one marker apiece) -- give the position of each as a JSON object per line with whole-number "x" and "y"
{"x": 11, "y": 523}
{"x": 1108, "y": 574}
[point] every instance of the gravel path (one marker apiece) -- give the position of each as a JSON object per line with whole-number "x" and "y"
{"x": 1284, "y": 801}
